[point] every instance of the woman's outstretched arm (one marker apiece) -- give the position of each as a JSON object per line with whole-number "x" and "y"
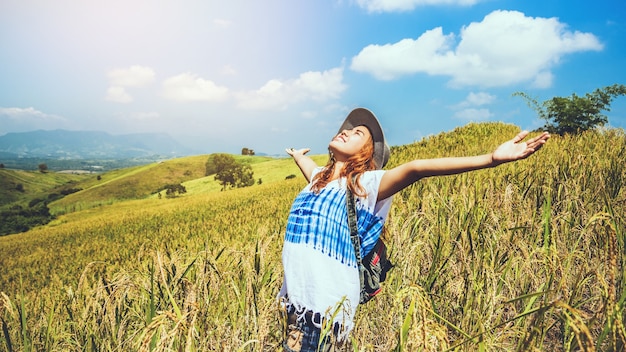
{"x": 406, "y": 174}
{"x": 304, "y": 162}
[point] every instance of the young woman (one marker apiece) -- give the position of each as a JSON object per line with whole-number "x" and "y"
{"x": 321, "y": 287}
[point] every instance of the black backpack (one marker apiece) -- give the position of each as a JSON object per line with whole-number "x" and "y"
{"x": 374, "y": 266}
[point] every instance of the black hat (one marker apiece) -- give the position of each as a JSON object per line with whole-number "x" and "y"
{"x": 364, "y": 117}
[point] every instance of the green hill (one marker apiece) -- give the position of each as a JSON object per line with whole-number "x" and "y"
{"x": 144, "y": 181}
{"x": 18, "y": 186}
{"x": 96, "y": 189}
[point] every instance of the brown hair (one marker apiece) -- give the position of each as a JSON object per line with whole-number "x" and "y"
{"x": 354, "y": 167}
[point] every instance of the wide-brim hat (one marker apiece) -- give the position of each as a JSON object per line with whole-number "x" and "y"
{"x": 364, "y": 117}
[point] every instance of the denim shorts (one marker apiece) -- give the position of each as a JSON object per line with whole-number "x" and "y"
{"x": 302, "y": 336}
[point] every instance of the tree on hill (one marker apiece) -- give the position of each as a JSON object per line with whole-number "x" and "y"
{"x": 218, "y": 162}
{"x": 244, "y": 176}
{"x": 172, "y": 190}
{"x": 210, "y": 167}
{"x": 229, "y": 172}
{"x": 575, "y": 114}
{"x": 246, "y": 151}
{"x": 43, "y": 167}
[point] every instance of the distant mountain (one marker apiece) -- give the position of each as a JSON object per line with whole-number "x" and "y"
{"x": 63, "y": 144}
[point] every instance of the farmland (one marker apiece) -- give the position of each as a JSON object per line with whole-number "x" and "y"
{"x": 525, "y": 256}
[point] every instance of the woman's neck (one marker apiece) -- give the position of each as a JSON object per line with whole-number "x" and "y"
{"x": 337, "y": 170}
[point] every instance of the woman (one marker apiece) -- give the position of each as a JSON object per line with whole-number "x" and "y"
{"x": 321, "y": 286}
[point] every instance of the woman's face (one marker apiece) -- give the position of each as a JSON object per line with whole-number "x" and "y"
{"x": 349, "y": 142}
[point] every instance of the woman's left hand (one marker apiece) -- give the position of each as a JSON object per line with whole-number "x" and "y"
{"x": 517, "y": 149}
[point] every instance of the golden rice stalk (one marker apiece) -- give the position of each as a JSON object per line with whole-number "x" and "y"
{"x": 422, "y": 331}
{"x": 574, "y": 320}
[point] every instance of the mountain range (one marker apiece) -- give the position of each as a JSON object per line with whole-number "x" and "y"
{"x": 68, "y": 145}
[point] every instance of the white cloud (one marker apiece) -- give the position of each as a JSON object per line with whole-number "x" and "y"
{"x": 430, "y": 53}
{"x": 27, "y": 119}
{"x": 118, "y": 94}
{"x": 478, "y": 99}
{"x": 407, "y": 5}
{"x": 120, "y": 78}
{"x": 17, "y": 113}
{"x": 309, "y": 86}
{"x": 272, "y": 95}
{"x": 189, "y": 87}
{"x": 134, "y": 76}
{"x": 543, "y": 80}
{"x": 472, "y": 114}
{"x": 321, "y": 86}
{"x": 28, "y": 114}
{"x": 468, "y": 108}
{"x": 506, "y": 48}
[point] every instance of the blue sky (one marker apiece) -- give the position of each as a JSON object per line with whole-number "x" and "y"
{"x": 266, "y": 75}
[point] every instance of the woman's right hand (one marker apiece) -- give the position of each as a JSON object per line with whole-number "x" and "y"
{"x": 305, "y": 163}
{"x": 297, "y": 152}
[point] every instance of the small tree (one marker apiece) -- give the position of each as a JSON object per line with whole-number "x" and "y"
{"x": 43, "y": 167}
{"x": 231, "y": 173}
{"x": 244, "y": 176}
{"x": 575, "y": 114}
{"x": 172, "y": 190}
{"x": 218, "y": 162}
{"x": 246, "y": 151}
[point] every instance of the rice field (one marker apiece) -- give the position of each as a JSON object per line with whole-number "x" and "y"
{"x": 523, "y": 257}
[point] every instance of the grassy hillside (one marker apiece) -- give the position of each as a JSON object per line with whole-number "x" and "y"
{"x": 18, "y": 186}
{"x": 132, "y": 183}
{"x": 525, "y": 256}
{"x": 144, "y": 181}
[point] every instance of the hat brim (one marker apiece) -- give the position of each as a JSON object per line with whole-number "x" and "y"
{"x": 364, "y": 117}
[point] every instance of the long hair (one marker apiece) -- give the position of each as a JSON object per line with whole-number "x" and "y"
{"x": 354, "y": 167}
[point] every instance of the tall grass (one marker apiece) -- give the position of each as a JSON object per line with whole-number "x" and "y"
{"x": 527, "y": 256}
{"x": 524, "y": 256}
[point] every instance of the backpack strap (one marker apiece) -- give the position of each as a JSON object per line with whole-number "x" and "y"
{"x": 354, "y": 231}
